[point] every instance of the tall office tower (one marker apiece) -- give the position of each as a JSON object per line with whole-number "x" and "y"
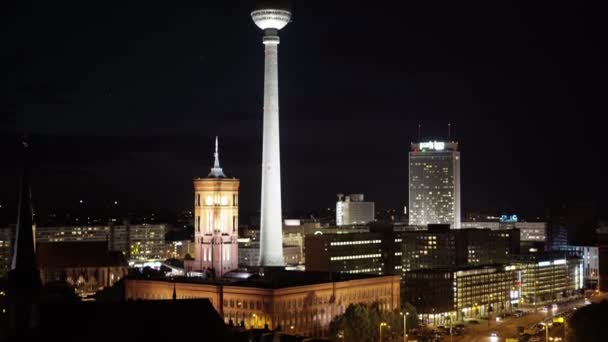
{"x": 352, "y": 209}
{"x": 216, "y": 210}
{"x": 434, "y": 183}
{"x": 271, "y": 19}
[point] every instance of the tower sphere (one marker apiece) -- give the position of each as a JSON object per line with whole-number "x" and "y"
{"x": 271, "y": 18}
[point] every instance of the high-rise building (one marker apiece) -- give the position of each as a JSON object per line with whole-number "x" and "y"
{"x": 434, "y": 183}
{"x": 353, "y": 209}
{"x": 216, "y": 221}
{"x": 271, "y": 19}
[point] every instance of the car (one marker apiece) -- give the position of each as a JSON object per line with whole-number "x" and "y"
{"x": 534, "y": 339}
{"x": 493, "y": 334}
{"x": 474, "y": 321}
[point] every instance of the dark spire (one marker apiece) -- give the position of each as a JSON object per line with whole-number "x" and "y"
{"x": 24, "y": 278}
{"x": 174, "y": 292}
{"x": 24, "y": 257}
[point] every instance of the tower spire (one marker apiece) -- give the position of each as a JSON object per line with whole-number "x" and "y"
{"x": 24, "y": 277}
{"x": 216, "y": 170}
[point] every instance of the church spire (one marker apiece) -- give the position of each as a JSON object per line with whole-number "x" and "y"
{"x": 216, "y": 170}
{"x": 23, "y": 253}
{"x": 24, "y": 277}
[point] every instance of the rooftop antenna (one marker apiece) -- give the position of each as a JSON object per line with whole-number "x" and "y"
{"x": 449, "y": 131}
{"x": 419, "y": 130}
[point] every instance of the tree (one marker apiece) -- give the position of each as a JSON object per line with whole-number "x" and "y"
{"x": 353, "y": 325}
{"x": 361, "y": 322}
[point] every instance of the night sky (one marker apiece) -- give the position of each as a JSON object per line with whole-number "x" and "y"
{"x": 122, "y": 101}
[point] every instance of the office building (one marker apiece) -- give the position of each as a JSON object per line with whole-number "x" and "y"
{"x": 440, "y": 247}
{"x": 530, "y": 231}
{"x": 549, "y": 278}
{"x": 404, "y": 251}
{"x": 351, "y": 253}
{"x": 300, "y": 302}
{"x": 434, "y": 183}
{"x": 456, "y": 293}
{"x": 353, "y": 210}
{"x": 216, "y": 221}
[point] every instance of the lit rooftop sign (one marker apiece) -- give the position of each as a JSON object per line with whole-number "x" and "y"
{"x": 508, "y": 218}
{"x": 432, "y": 145}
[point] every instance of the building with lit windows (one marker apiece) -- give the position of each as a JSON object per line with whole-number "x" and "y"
{"x": 530, "y": 231}
{"x": 301, "y": 303}
{"x": 398, "y": 252}
{"x": 371, "y": 253}
{"x": 249, "y": 254}
{"x": 6, "y": 245}
{"x": 441, "y": 247}
{"x": 456, "y": 293}
{"x": 216, "y": 220}
{"x": 549, "y": 278}
{"x": 434, "y": 183}
{"x": 139, "y": 242}
{"x": 354, "y": 210}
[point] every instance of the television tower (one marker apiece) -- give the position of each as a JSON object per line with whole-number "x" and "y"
{"x": 271, "y": 19}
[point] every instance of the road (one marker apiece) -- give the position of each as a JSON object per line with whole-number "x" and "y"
{"x": 508, "y": 327}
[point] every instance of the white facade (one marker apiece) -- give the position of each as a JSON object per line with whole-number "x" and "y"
{"x": 352, "y": 210}
{"x": 271, "y": 251}
{"x": 434, "y": 183}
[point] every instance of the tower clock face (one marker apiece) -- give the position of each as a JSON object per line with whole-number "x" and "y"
{"x": 208, "y": 200}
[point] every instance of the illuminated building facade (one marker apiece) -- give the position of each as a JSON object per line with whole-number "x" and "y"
{"x": 216, "y": 220}
{"x": 6, "y": 245}
{"x": 353, "y": 253}
{"x": 456, "y": 293}
{"x": 353, "y": 210}
{"x": 139, "y": 242}
{"x": 298, "y": 302}
{"x": 530, "y": 231}
{"x": 249, "y": 254}
{"x": 550, "y": 278}
{"x": 434, "y": 183}
{"x": 440, "y": 247}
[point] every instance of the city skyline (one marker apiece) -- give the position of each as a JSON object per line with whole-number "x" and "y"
{"x": 114, "y": 132}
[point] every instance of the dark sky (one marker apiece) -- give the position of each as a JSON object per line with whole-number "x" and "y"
{"x": 122, "y": 100}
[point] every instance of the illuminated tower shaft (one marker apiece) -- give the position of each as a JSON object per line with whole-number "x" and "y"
{"x": 271, "y": 240}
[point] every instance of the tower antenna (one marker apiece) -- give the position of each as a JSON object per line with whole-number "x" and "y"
{"x": 449, "y": 131}
{"x": 419, "y": 131}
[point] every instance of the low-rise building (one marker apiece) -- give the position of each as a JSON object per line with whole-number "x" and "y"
{"x": 300, "y": 302}
{"x": 249, "y": 254}
{"x": 88, "y": 266}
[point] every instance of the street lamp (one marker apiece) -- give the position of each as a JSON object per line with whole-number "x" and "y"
{"x": 255, "y": 317}
{"x": 404, "y": 325}
{"x": 547, "y": 325}
{"x": 382, "y": 324}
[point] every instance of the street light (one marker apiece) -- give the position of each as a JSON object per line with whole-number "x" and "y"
{"x": 404, "y": 325}
{"x": 547, "y": 325}
{"x": 382, "y": 324}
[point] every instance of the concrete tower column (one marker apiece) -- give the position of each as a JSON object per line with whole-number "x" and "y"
{"x": 271, "y": 20}
{"x": 271, "y": 239}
